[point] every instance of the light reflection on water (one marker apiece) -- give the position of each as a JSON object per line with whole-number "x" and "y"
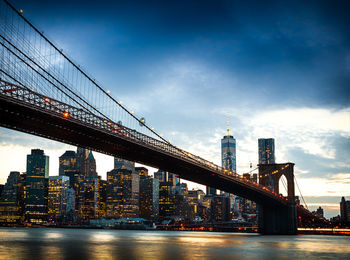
{"x": 45, "y": 243}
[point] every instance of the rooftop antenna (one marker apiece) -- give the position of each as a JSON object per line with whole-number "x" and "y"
{"x": 228, "y": 127}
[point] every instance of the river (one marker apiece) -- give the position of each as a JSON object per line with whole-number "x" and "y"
{"x": 55, "y": 243}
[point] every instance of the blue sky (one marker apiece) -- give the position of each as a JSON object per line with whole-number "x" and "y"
{"x": 276, "y": 69}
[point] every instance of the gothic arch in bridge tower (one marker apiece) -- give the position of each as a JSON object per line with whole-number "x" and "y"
{"x": 270, "y": 174}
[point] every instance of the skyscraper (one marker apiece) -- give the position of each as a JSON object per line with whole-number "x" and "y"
{"x": 266, "y": 151}
{"x": 228, "y": 152}
{"x": 12, "y": 200}
{"x": 67, "y": 162}
{"x": 120, "y": 163}
{"x": 122, "y": 194}
{"x": 220, "y": 208}
{"x": 166, "y": 199}
{"x": 228, "y": 156}
{"x": 102, "y": 186}
{"x": 344, "y": 210}
{"x": 149, "y": 198}
{"x": 164, "y": 176}
{"x": 88, "y": 197}
{"x": 142, "y": 171}
{"x": 86, "y": 164}
{"x": 36, "y": 199}
{"x": 85, "y": 183}
{"x": 58, "y": 197}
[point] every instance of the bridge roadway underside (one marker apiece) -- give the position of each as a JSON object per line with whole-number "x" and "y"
{"x": 24, "y": 118}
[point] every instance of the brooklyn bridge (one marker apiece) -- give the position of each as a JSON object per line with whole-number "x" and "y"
{"x": 44, "y": 93}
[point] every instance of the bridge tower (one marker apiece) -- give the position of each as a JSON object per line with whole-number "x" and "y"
{"x": 281, "y": 220}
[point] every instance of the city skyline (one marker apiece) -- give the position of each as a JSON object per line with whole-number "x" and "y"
{"x": 317, "y": 142}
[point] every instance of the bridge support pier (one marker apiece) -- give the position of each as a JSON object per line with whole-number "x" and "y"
{"x": 278, "y": 220}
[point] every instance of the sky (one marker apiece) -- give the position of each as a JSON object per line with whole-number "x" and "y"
{"x": 274, "y": 69}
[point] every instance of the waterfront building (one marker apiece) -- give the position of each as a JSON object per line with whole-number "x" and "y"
{"x": 122, "y": 193}
{"x": 67, "y": 162}
{"x": 88, "y": 197}
{"x": 71, "y": 199}
{"x": 12, "y": 200}
{"x": 195, "y": 198}
{"x": 166, "y": 199}
{"x": 204, "y": 209}
{"x": 149, "y": 198}
{"x": 220, "y": 208}
{"x": 102, "y": 186}
{"x": 183, "y": 209}
{"x": 36, "y": 197}
{"x": 266, "y": 150}
{"x": 344, "y": 210}
{"x": 1, "y": 188}
{"x": 85, "y": 183}
{"x": 58, "y": 198}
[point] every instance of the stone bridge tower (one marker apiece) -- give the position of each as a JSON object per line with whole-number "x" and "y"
{"x": 278, "y": 220}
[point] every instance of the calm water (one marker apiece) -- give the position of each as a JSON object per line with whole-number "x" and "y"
{"x": 45, "y": 243}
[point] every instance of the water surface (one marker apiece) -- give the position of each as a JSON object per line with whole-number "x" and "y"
{"x": 55, "y": 243}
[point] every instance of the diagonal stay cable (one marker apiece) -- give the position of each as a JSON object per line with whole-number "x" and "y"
{"x": 91, "y": 80}
{"x": 300, "y": 193}
{"x": 63, "y": 85}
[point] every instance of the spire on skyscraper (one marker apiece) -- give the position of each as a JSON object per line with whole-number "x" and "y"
{"x": 228, "y": 127}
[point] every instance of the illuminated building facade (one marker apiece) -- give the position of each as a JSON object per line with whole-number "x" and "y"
{"x": 67, "y": 163}
{"x": 248, "y": 207}
{"x": 220, "y": 208}
{"x": 58, "y": 197}
{"x": 141, "y": 171}
{"x": 86, "y": 185}
{"x": 195, "y": 198}
{"x": 36, "y": 198}
{"x": 266, "y": 150}
{"x": 102, "y": 185}
{"x": 12, "y": 200}
{"x": 166, "y": 199}
{"x": 122, "y": 194}
{"x": 149, "y": 198}
{"x": 88, "y": 197}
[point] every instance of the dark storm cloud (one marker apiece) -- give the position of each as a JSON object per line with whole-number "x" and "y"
{"x": 295, "y": 49}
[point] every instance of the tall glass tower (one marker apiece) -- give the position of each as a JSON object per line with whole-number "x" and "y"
{"x": 228, "y": 152}
{"x": 228, "y": 156}
{"x": 266, "y": 150}
{"x": 36, "y": 198}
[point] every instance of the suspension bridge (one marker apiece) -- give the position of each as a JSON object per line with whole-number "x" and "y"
{"x": 44, "y": 93}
